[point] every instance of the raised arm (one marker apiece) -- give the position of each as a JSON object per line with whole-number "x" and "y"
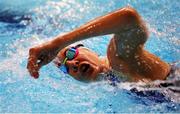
{"x": 112, "y": 23}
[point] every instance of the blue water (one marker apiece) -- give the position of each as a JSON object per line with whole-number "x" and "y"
{"x": 28, "y": 23}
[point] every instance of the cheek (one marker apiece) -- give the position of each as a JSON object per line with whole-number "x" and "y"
{"x": 75, "y": 75}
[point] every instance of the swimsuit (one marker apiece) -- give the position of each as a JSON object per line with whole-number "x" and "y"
{"x": 113, "y": 77}
{"x": 158, "y": 91}
{"x": 174, "y": 72}
{"x": 173, "y": 79}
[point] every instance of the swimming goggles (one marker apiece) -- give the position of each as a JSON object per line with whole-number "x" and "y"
{"x": 70, "y": 54}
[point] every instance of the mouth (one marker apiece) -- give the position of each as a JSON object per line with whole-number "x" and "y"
{"x": 85, "y": 69}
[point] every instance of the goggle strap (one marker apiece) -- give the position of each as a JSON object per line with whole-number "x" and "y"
{"x": 76, "y": 53}
{"x": 65, "y": 60}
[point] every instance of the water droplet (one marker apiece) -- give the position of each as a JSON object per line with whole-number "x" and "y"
{"x": 143, "y": 61}
{"x": 139, "y": 63}
{"x": 120, "y": 66}
{"x": 127, "y": 51}
{"x": 156, "y": 62}
{"x": 136, "y": 56}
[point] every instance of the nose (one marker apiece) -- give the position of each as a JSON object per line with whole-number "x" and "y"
{"x": 72, "y": 64}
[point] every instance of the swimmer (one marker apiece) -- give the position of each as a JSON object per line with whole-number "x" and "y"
{"x": 125, "y": 53}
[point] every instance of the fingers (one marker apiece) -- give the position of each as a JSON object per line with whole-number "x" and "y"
{"x": 32, "y": 65}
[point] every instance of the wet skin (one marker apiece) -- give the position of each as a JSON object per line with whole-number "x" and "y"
{"x": 125, "y": 54}
{"x": 85, "y": 67}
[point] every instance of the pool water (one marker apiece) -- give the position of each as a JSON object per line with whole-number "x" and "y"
{"x": 25, "y": 24}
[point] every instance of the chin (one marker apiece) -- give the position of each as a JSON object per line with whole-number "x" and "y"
{"x": 89, "y": 77}
{"x": 94, "y": 75}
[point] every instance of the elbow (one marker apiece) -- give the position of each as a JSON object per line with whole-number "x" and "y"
{"x": 131, "y": 16}
{"x": 133, "y": 20}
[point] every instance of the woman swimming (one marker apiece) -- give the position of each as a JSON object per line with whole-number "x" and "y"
{"x": 125, "y": 55}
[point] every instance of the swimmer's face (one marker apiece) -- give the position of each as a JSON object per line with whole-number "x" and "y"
{"x": 85, "y": 66}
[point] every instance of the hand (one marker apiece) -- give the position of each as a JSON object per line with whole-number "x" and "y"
{"x": 40, "y": 56}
